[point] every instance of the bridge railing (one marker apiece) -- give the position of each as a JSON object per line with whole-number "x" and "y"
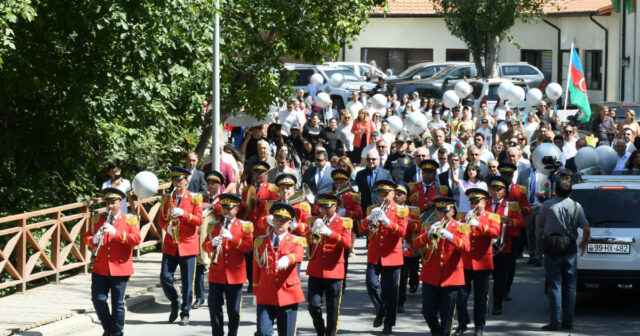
{"x": 51, "y": 239}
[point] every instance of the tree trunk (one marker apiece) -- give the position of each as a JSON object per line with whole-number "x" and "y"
{"x": 477, "y": 59}
{"x": 205, "y": 137}
{"x": 491, "y": 55}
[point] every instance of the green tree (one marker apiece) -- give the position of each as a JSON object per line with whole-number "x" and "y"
{"x": 482, "y": 24}
{"x": 10, "y": 12}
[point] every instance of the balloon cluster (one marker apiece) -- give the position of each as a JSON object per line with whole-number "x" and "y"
{"x": 322, "y": 98}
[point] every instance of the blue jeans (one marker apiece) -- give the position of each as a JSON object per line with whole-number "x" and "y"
{"x": 384, "y": 293}
{"x": 439, "y": 301}
{"x": 233, "y": 295}
{"x": 561, "y": 273}
{"x": 286, "y": 317}
{"x": 112, "y": 322}
{"x": 187, "y": 270}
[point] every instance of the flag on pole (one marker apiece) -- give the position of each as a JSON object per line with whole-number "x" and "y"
{"x": 630, "y": 5}
{"x": 578, "y": 87}
{"x": 310, "y": 101}
{"x": 555, "y": 113}
{"x": 458, "y": 147}
{"x": 547, "y": 186}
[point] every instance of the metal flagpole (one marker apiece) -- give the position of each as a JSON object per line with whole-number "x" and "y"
{"x": 215, "y": 138}
{"x": 566, "y": 94}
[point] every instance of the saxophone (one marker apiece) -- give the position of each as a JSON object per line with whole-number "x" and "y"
{"x": 174, "y": 222}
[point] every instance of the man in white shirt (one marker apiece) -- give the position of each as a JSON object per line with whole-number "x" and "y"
{"x": 373, "y": 138}
{"x": 621, "y": 148}
{"x": 346, "y": 122}
{"x": 438, "y": 142}
{"x": 290, "y": 116}
{"x": 479, "y": 143}
{"x": 569, "y": 146}
{"x": 117, "y": 181}
{"x": 354, "y": 106}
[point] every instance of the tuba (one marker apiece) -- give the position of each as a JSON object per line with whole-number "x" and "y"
{"x": 303, "y": 194}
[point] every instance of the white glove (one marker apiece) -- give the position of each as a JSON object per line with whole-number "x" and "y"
{"x": 225, "y": 233}
{"x": 474, "y": 222}
{"x": 177, "y": 212}
{"x": 374, "y": 213}
{"x": 325, "y": 231}
{"x": 316, "y": 223}
{"x": 294, "y": 224}
{"x": 384, "y": 219}
{"x": 432, "y": 229}
{"x": 215, "y": 241}
{"x": 170, "y": 230}
{"x": 283, "y": 263}
{"x": 342, "y": 212}
{"x": 110, "y": 229}
{"x": 446, "y": 235}
{"x": 270, "y": 220}
{"x": 96, "y": 238}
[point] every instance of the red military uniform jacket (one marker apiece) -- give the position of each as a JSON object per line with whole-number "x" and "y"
{"x": 413, "y": 229}
{"x": 445, "y": 267}
{"x": 115, "y": 255}
{"x": 418, "y": 197}
{"x": 385, "y": 244}
{"x": 480, "y": 256}
{"x": 303, "y": 212}
{"x": 231, "y": 265}
{"x": 516, "y": 221}
{"x": 265, "y": 192}
{"x": 271, "y": 286}
{"x": 518, "y": 193}
{"x": 215, "y": 200}
{"x": 327, "y": 257}
{"x": 350, "y": 201}
{"x": 189, "y": 242}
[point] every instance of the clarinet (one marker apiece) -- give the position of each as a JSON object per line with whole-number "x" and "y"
{"x": 101, "y": 231}
{"x": 219, "y": 248}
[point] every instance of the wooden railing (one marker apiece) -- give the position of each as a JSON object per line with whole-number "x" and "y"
{"x": 60, "y": 246}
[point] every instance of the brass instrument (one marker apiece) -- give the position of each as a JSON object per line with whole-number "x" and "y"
{"x": 251, "y": 195}
{"x": 375, "y": 223}
{"x": 101, "y": 232}
{"x": 316, "y": 237}
{"x": 435, "y": 237}
{"x": 304, "y": 194}
{"x": 209, "y": 219}
{"x": 174, "y": 222}
{"x": 471, "y": 215}
{"x": 225, "y": 225}
{"x": 344, "y": 189}
{"x": 498, "y": 244}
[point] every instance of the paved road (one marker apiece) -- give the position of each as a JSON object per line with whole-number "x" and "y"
{"x": 597, "y": 314}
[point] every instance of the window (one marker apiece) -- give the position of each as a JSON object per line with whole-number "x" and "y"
{"x": 518, "y": 70}
{"x": 457, "y": 55}
{"x": 541, "y": 59}
{"x": 396, "y": 59}
{"x": 301, "y": 76}
{"x": 460, "y": 73}
{"x": 562, "y": 77}
{"x": 593, "y": 69}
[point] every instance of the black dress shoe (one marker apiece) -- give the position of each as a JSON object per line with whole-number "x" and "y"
{"x": 567, "y": 327}
{"x": 184, "y": 321}
{"x": 106, "y": 333}
{"x": 400, "y": 309}
{"x": 531, "y": 261}
{"x": 174, "y": 315}
{"x": 197, "y": 304}
{"x": 413, "y": 289}
{"x": 460, "y": 330}
{"x": 551, "y": 327}
{"x": 386, "y": 330}
{"x": 378, "y": 320}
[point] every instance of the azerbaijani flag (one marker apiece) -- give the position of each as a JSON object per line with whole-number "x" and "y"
{"x": 629, "y": 4}
{"x": 502, "y": 107}
{"x": 310, "y": 101}
{"x": 458, "y": 147}
{"x": 555, "y": 113}
{"x": 523, "y": 117}
{"x": 578, "y": 86}
{"x": 547, "y": 186}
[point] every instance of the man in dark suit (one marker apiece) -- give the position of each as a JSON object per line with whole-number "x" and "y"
{"x": 197, "y": 183}
{"x": 445, "y": 178}
{"x": 366, "y": 179}
{"x": 318, "y": 178}
{"x": 414, "y": 174}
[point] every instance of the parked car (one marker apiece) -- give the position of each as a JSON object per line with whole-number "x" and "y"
{"x": 485, "y": 91}
{"x": 360, "y": 69}
{"x": 522, "y": 70}
{"x": 420, "y": 71}
{"x": 424, "y": 89}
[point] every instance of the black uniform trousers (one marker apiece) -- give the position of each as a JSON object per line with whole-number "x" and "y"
{"x": 516, "y": 250}
{"x": 480, "y": 280}
{"x": 500, "y": 266}
{"x": 332, "y": 290}
{"x": 408, "y": 275}
{"x": 441, "y": 301}
{"x": 233, "y": 295}
{"x": 383, "y": 292}
{"x": 112, "y": 322}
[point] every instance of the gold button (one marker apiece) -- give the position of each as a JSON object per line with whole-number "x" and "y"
{"x": 108, "y": 256}
{"x": 472, "y": 247}
{"x": 441, "y": 263}
{"x": 442, "y": 256}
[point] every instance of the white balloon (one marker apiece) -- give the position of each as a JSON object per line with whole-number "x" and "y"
{"x": 462, "y": 89}
{"x": 608, "y": 159}
{"x": 145, "y": 184}
{"x": 323, "y": 99}
{"x": 416, "y": 123}
{"x": 395, "y": 124}
{"x": 516, "y": 95}
{"x": 546, "y": 149}
{"x": 336, "y": 80}
{"x": 503, "y": 90}
{"x": 587, "y": 157}
{"x": 379, "y": 101}
{"x": 534, "y": 96}
{"x": 450, "y": 99}
{"x": 317, "y": 80}
{"x": 554, "y": 91}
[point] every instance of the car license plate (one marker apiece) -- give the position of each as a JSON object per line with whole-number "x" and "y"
{"x": 608, "y": 248}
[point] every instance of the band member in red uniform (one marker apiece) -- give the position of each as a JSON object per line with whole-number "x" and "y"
{"x": 386, "y": 224}
{"x": 510, "y": 218}
{"x": 442, "y": 270}
{"x": 409, "y": 271}
{"x": 211, "y": 203}
{"x": 180, "y": 216}
{"x": 330, "y": 235}
{"x": 423, "y": 193}
{"x": 230, "y": 239}
{"x": 112, "y": 238}
{"x": 255, "y": 198}
{"x": 478, "y": 263}
{"x": 287, "y": 188}
{"x": 276, "y": 281}
{"x": 516, "y": 195}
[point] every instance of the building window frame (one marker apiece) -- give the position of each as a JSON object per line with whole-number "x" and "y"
{"x": 593, "y": 68}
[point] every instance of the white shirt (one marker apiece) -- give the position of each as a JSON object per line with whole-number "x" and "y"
{"x": 486, "y": 133}
{"x": 354, "y": 108}
{"x": 486, "y": 155}
{"x": 228, "y": 158}
{"x": 433, "y": 149}
{"x": 346, "y": 136}
{"x": 569, "y": 148}
{"x": 320, "y": 172}
{"x": 287, "y": 119}
{"x": 464, "y": 205}
{"x": 280, "y": 238}
{"x": 621, "y": 162}
{"x": 124, "y": 186}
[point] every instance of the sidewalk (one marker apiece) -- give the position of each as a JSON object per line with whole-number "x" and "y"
{"x": 50, "y": 303}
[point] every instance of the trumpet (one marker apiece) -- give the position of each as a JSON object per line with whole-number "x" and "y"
{"x": 344, "y": 189}
{"x": 225, "y": 225}
{"x": 101, "y": 232}
{"x": 471, "y": 215}
{"x": 375, "y": 223}
{"x": 435, "y": 237}
{"x": 316, "y": 237}
{"x": 174, "y": 222}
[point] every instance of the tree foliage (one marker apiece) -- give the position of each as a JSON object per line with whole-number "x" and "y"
{"x": 88, "y": 82}
{"x": 482, "y": 24}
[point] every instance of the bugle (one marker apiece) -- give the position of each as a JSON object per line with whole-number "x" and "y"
{"x": 435, "y": 237}
{"x": 225, "y": 225}
{"x": 375, "y": 223}
{"x": 344, "y": 189}
{"x": 316, "y": 237}
{"x": 101, "y": 232}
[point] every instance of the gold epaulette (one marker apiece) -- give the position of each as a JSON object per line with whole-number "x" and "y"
{"x": 370, "y": 208}
{"x": 412, "y": 185}
{"x": 444, "y": 190}
{"x": 460, "y": 215}
{"x": 426, "y": 226}
{"x": 414, "y": 210}
{"x": 523, "y": 190}
{"x": 494, "y": 217}
{"x": 514, "y": 206}
{"x": 258, "y": 241}
{"x": 132, "y": 220}
{"x": 196, "y": 199}
{"x": 306, "y": 207}
{"x": 347, "y": 223}
{"x": 355, "y": 197}
{"x": 268, "y": 204}
{"x": 273, "y": 188}
{"x": 95, "y": 219}
{"x": 311, "y": 220}
{"x": 464, "y": 228}
{"x": 247, "y": 226}
{"x": 402, "y": 211}
{"x": 302, "y": 241}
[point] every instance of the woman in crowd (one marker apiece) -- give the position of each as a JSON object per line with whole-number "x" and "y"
{"x": 403, "y": 103}
{"x": 388, "y": 137}
{"x": 497, "y": 148}
{"x": 345, "y": 164}
{"x": 313, "y": 131}
{"x": 362, "y": 128}
{"x": 629, "y": 121}
{"x": 274, "y": 137}
{"x": 293, "y": 161}
{"x": 377, "y": 121}
{"x": 467, "y": 120}
{"x": 345, "y": 131}
{"x": 415, "y": 101}
{"x": 472, "y": 178}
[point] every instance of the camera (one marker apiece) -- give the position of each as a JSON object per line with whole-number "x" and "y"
{"x": 118, "y": 177}
{"x": 550, "y": 162}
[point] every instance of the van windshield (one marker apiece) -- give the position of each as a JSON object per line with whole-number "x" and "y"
{"x": 610, "y": 208}
{"x": 349, "y": 76}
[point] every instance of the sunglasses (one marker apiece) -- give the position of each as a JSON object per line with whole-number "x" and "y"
{"x": 372, "y": 159}
{"x": 520, "y": 139}
{"x": 493, "y": 167}
{"x": 513, "y": 144}
{"x": 381, "y": 146}
{"x": 497, "y": 147}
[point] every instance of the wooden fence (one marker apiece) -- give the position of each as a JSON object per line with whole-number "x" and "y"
{"x": 60, "y": 246}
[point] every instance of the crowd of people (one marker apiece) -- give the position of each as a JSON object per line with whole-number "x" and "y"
{"x": 451, "y": 208}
